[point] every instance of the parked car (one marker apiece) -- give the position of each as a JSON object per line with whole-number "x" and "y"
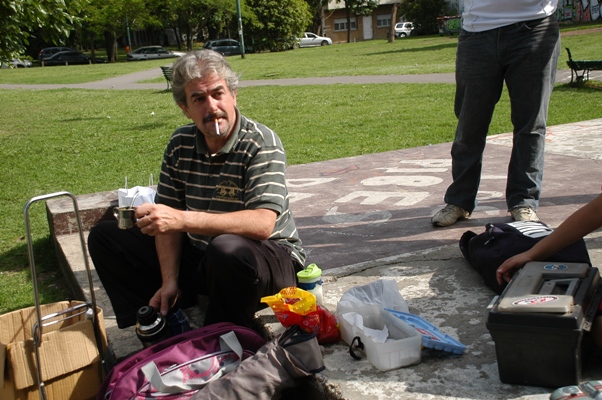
{"x": 403, "y": 29}
{"x": 152, "y": 53}
{"x": 71, "y": 57}
{"x": 311, "y": 39}
{"x": 226, "y": 47}
{"x": 48, "y": 52}
{"x": 15, "y": 63}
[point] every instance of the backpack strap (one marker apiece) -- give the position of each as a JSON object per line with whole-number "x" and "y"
{"x": 228, "y": 342}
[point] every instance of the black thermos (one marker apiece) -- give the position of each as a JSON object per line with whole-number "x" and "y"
{"x": 151, "y": 327}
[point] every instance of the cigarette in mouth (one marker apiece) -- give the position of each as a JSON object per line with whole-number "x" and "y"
{"x": 216, "y": 127}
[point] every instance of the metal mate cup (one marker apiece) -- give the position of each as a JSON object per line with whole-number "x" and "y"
{"x": 126, "y": 217}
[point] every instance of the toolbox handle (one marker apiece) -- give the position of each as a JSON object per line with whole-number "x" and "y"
{"x": 37, "y": 335}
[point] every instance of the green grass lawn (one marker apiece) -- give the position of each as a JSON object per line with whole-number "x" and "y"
{"x": 86, "y": 141}
{"x": 413, "y": 55}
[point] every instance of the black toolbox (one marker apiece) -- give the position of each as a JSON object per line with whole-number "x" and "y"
{"x": 539, "y": 321}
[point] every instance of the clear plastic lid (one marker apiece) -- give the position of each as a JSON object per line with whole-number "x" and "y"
{"x": 432, "y": 337}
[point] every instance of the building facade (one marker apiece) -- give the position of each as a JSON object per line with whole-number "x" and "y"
{"x": 374, "y": 26}
{"x": 380, "y": 23}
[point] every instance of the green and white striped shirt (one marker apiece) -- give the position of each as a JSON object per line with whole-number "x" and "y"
{"x": 248, "y": 173}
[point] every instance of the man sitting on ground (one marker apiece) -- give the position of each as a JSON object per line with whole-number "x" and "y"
{"x": 221, "y": 225}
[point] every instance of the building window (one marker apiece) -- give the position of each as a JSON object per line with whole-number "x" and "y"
{"x": 341, "y": 24}
{"x": 383, "y": 21}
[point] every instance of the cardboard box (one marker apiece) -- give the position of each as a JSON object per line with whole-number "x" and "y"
{"x": 539, "y": 320}
{"x": 70, "y": 361}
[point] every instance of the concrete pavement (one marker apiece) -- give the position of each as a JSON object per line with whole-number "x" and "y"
{"x": 133, "y": 81}
{"x": 366, "y": 218}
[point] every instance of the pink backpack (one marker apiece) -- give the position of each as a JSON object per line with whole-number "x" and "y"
{"x": 181, "y": 365}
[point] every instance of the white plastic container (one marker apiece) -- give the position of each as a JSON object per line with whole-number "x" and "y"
{"x": 310, "y": 279}
{"x": 402, "y": 348}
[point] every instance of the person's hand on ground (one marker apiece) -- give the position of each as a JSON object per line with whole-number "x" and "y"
{"x": 509, "y": 267}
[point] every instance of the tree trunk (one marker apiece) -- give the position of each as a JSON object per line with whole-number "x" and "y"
{"x": 348, "y": 14}
{"x": 178, "y": 38}
{"x": 393, "y": 22}
{"x": 92, "y": 49}
{"x": 189, "y": 38}
{"x": 115, "y": 53}
{"x": 109, "y": 46}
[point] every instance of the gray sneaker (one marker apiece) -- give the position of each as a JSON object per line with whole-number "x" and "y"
{"x": 449, "y": 215}
{"x": 524, "y": 213}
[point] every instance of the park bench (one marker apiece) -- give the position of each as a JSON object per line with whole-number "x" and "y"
{"x": 167, "y": 71}
{"x": 580, "y": 68}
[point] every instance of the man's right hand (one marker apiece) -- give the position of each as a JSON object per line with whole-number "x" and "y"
{"x": 156, "y": 219}
{"x": 165, "y": 298}
{"x": 505, "y": 271}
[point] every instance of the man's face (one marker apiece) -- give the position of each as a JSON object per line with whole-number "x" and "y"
{"x": 208, "y": 100}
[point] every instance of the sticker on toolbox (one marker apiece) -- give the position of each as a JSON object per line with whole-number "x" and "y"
{"x": 432, "y": 337}
{"x": 534, "y": 300}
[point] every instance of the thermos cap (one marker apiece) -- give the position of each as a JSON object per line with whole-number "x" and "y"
{"x": 311, "y": 272}
{"x": 146, "y": 315}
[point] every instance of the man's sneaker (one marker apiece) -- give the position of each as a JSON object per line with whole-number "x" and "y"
{"x": 524, "y": 213}
{"x": 448, "y": 215}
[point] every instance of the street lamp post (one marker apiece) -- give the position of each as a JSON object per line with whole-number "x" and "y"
{"x": 127, "y": 25}
{"x": 242, "y": 40}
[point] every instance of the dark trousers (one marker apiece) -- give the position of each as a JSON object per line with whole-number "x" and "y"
{"x": 234, "y": 272}
{"x": 523, "y": 56}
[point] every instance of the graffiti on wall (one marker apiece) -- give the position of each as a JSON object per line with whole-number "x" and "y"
{"x": 568, "y": 10}
{"x": 578, "y": 10}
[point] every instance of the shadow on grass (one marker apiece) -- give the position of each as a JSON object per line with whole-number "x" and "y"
{"x": 587, "y": 86}
{"x": 52, "y": 286}
{"x": 417, "y": 49}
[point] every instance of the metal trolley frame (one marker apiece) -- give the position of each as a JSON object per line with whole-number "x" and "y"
{"x": 89, "y": 306}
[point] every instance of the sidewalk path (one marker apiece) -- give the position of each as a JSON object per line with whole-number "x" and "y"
{"x": 131, "y": 81}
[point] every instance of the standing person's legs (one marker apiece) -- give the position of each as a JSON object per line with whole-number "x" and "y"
{"x": 239, "y": 271}
{"x": 531, "y": 50}
{"x": 479, "y": 82}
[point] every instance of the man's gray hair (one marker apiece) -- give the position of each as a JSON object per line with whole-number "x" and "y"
{"x": 199, "y": 64}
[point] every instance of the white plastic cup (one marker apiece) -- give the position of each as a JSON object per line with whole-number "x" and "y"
{"x": 310, "y": 279}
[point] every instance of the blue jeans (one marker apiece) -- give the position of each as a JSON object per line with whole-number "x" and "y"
{"x": 524, "y": 55}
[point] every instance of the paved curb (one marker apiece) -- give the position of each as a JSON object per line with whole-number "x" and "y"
{"x": 130, "y": 81}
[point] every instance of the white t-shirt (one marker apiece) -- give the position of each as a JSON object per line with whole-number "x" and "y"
{"x": 483, "y": 15}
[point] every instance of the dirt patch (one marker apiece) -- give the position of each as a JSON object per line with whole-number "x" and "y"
{"x": 580, "y": 32}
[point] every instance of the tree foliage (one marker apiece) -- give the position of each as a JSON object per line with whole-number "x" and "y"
{"x": 87, "y": 23}
{"x": 110, "y": 19}
{"x": 423, "y": 13}
{"x": 362, "y": 7}
{"x": 52, "y": 18}
{"x": 316, "y": 8}
{"x": 192, "y": 17}
{"x": 278, "y": 22}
